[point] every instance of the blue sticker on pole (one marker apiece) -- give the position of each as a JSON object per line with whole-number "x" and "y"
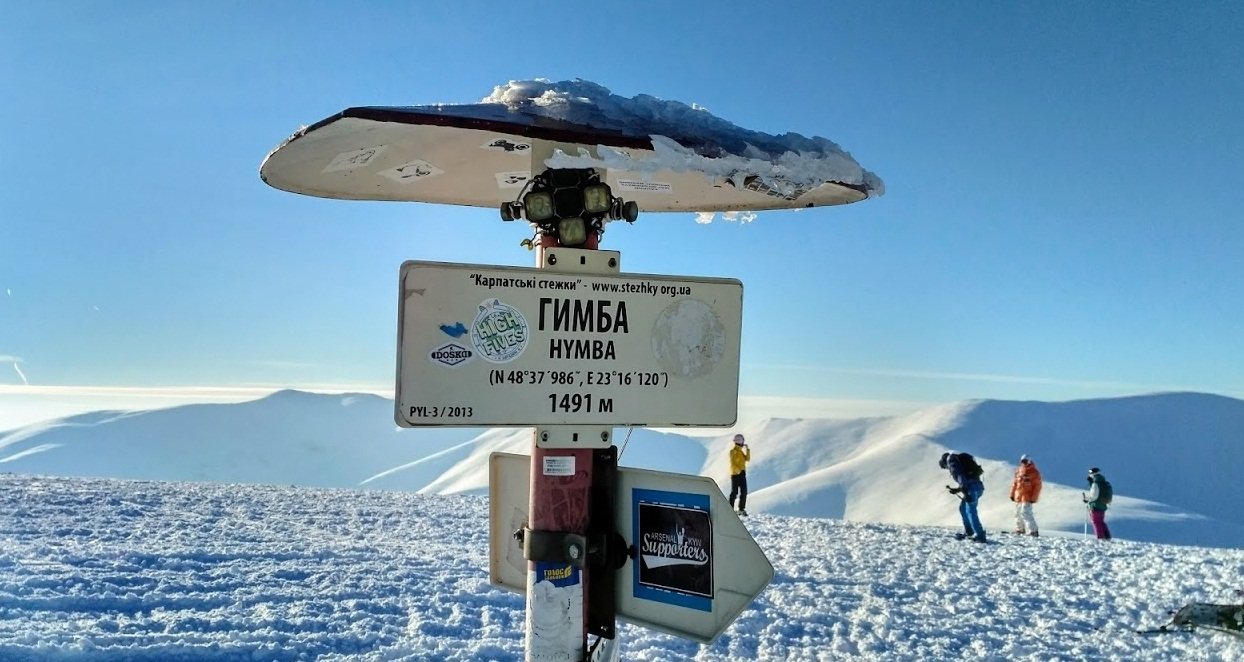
{"x": 557, "y": 574}
{"x": 674, "y": 534}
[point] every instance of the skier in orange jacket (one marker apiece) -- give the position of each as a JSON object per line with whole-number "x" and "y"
{"x": 1025, "y": 489}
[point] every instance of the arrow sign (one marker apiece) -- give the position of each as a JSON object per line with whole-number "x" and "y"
{"x": 697, "y": 569}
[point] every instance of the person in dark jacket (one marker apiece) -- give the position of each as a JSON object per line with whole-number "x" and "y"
{"x": 969, "y": 488}
{"x": 1098, "y": 498}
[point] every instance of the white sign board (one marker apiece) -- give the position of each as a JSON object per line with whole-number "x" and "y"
{"x": 508, "y": 346}
{"x": 696, "y": 568}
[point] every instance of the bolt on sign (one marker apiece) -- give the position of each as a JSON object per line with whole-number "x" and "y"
{"x": 509, "y": 346}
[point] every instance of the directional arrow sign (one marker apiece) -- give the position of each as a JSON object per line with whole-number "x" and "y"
{"x": 697, "y": 566}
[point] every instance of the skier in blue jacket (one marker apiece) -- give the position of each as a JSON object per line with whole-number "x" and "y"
{"x": 967, "y": 476}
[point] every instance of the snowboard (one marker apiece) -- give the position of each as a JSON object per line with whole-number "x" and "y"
{"x": 484, "y": 154}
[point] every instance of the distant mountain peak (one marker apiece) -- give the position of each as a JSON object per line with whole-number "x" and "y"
{"x": 868, "y": 469}
{"x": 295, "y": 395}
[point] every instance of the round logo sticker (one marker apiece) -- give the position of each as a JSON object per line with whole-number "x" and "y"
{"x": 499, "y": 332}
{"x": 688, "y": 339}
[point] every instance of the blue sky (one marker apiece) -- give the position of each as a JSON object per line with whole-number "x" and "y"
{"x": 1062, "y": 216}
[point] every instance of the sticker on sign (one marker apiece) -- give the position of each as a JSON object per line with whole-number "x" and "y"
{"x": 510, "y": 346}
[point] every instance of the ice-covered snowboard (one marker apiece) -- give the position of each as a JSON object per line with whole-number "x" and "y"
{"x": 665, "y": 156}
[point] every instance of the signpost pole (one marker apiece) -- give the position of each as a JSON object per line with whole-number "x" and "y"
{"x": 569, "y": 499}
{"x": 561, "y": 482}
{"x": 559, "y": 503}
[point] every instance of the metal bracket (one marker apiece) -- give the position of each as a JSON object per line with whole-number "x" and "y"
{"x": 574, "y": 436}
{"x": 555, "y": 547}
{"x": 581, "y": 261}
{"x": 606, "y": 548}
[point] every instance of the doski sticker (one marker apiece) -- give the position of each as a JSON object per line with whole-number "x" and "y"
{"x": 451, "y": 355}
{"x": 411, "y": 171}
{"x": 499, "y": 332}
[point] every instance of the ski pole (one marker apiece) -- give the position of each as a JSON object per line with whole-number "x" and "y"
{"x": 1086, "y": 511}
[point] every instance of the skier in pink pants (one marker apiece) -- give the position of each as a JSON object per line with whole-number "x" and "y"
{"x": 1099, "y": 496}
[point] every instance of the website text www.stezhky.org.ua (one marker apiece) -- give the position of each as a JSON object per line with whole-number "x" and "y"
{"x": 623, "y": 287}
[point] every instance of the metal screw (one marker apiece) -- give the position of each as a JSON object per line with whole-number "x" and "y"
{"x": 613, "y": 262}
{"x": 573, "y": 551}
{"x": 604, "y": 435}
{"x": 552, "y": 259}
{"x": 544, "y": 436}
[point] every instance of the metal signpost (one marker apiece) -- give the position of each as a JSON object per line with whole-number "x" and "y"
{"x": 573, "y": 348}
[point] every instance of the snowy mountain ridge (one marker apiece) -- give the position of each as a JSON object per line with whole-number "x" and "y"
{"x": 1171, "y": 457}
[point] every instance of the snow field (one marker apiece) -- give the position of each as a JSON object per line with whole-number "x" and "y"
{"x": 127, "y": 570}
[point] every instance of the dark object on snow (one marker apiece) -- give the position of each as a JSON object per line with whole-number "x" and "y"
{"x": 1223, "y": 618}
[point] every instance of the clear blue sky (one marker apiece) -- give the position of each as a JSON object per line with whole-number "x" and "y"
{"x": 1062, "y": 218}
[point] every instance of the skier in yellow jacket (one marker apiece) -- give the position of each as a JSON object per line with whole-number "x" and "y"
{"x": 739, "y": 456}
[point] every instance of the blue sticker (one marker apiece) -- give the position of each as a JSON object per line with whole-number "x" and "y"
{"x": 560, "y": 575}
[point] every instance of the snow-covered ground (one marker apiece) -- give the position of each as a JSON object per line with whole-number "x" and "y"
{"x": 129, "y": 570}
{"x": 1173, "y": 458}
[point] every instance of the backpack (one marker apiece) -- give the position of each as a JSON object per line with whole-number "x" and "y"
{"x": 1105, "y": 492}
{"x": 970, "y": 467}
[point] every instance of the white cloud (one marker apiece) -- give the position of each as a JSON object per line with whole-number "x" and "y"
{"x": 23, "y": 404}
{"x": 983, "y": 377}
{"x": 740, "y": 217}
{"x": 707, "y": 217}
{"x": 765, "y": 406}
